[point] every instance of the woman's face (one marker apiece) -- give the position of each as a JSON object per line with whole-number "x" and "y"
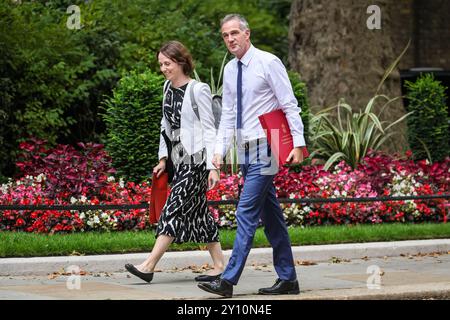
{"x": 171, "y": 69}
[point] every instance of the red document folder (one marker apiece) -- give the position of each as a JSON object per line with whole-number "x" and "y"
{"x": 279, "y": 135}
{"x": 158, "y": 196}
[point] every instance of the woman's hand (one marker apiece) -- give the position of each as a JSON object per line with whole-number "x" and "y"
{"x": 217, "y": 160}
{"x": 160, "y": 167}
{"x": 213, "y": 179}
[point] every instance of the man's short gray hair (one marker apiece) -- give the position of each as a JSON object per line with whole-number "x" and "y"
{"x": 243, "y": 24}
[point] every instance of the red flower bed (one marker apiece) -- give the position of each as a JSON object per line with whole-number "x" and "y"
{"x": 65, "y": 175}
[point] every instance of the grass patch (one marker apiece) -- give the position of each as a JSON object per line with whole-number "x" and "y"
{"x": 20, "y": 244}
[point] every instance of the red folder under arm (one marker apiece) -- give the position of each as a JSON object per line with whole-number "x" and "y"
{"x": 279, "y": 135}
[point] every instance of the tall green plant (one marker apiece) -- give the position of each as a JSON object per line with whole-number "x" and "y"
{"x": 354, "y": 134}
{"x": 133, "y": 120}
{"x": 216, "y": 86}
{"x": 428, "y": 128}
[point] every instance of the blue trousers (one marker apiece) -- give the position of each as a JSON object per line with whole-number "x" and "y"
{"x": 258, "y": 200}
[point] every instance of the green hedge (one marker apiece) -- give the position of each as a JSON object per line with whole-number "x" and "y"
{"x": 133, "y": 116}
{"x": 428, "y": 128}
{"x": 300, "y": 92}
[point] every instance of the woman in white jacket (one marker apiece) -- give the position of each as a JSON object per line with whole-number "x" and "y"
{"x": 185, "y": 216}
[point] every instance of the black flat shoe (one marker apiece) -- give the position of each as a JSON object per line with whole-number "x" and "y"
{"x": 144, "y": 276}
{"x": 219, "y": 286}
{"x": 207, "y": 278}
{"x": 281, "y": 287}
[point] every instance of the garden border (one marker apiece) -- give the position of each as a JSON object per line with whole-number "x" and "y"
{"x": 145, "y": 205}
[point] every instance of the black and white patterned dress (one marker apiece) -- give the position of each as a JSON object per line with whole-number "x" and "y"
{"x": 186, "y": 216}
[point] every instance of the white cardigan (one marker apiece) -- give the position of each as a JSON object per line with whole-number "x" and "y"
{"x": 195, "y": 134}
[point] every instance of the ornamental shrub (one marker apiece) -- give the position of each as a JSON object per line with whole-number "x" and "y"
{"x": 428, "y": 129}
{"x": 133, "y": 119}
{"x": 352, "y": 134}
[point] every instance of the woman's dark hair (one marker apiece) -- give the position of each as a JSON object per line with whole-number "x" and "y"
{"x": 177, "y": 52}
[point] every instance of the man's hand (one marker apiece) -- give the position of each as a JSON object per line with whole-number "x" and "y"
{"x": 213, "y": 179}
{"x": 296, "y": 156}
{"x": 217, "y": 160}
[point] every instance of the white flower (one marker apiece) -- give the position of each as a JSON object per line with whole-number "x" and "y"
{"x": 83, "y": 199}
{"x": 336, "y": 193}
{"x": 82, "y": 216}
{"x": 73, "y": 200}
{"x": 121, "y": 183}
{"x": 96, "y": 219}
{"x": 111, "y": 179}
{"x": 402, "y": 185}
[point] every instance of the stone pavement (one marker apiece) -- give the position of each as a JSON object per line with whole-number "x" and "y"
{"x": 387, "y": 270}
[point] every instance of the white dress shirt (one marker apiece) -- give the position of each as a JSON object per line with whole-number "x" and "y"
{"x": 265, "y": 88}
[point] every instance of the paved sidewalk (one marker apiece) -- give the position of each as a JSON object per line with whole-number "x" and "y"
{"x": 388, "y": 270}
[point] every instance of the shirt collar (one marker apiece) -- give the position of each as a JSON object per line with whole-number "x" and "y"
{"x": 248, "y": 55}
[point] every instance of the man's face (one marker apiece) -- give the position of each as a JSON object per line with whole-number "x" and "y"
{"x": 236, "y": 40}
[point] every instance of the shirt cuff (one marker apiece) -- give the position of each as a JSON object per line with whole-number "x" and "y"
{"x": 162, "y": 155}
{"x": 299, "y": 141}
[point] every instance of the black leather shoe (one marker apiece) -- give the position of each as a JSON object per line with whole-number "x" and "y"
{"x": 144, "y": 276}
{"x": 219, "y": 286}
{"x": 281, "y": 287}
{"x": 207, "y": 278}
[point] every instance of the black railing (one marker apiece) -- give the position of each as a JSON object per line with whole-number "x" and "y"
{"x": 144, "y": 205}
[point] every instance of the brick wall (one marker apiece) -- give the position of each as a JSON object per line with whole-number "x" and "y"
{"x": 428, "y": 25}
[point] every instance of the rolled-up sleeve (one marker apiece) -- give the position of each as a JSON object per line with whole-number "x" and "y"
{"x": 279, "y": 82}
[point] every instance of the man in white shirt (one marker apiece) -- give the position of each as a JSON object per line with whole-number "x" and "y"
{"x": 255, "y": 83}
